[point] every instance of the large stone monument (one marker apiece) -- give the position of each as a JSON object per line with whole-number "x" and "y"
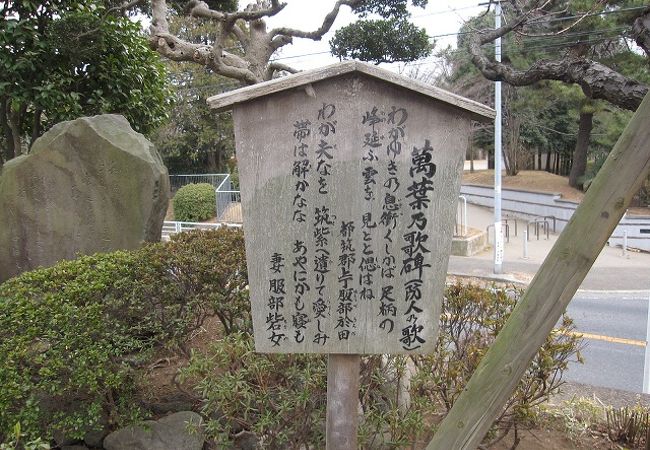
{"x": 88, "y": 185}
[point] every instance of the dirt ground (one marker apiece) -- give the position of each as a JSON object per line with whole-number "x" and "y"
{"x": 529, "y": 180}
{"x": 548, "y": 435}
{"x": 536, "y": 180}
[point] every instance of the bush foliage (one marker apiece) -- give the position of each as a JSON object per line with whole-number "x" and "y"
{"x": 76, "y": 336}
{"x": 282, "y": 398}
{"x": 195, "y": 203}
{"x": 76, "y": 339}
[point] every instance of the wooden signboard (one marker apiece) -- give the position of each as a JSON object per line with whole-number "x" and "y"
{"x": 349, "y": 181}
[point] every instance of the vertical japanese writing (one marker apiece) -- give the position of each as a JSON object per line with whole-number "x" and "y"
{"x": 347, "y": 298}
{"x": 323, "y": 220}
{"x": 349, "y": 264}
{"x": 397, "y": 120}
{"x": 416, "y": 254}
{"x": 300, "y": 319}
{"x": 372, "y": 139}
{"x": 368, "y": 260}
{"x": 275, "y": 320}
{"x": 324, "y": 155}
{"x": 300, "y": 169}
{"x": 322, "y": 266}
{"x": 391, "y": 211}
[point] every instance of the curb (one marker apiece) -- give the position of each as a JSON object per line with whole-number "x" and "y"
{"x": 510, "y": 279}
{"x": 495, "y": 278}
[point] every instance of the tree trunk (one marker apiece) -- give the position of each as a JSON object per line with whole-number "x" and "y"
{"x": 507, "y": 162}
{"x": 212, "y": 161}
{"x": 579, "y": 165}
{"x": 15, "y": 116}
{"x": 471, "y": 153}
{"x": 9, "y": 149}
{"x": 512, "y": 168}
{"x": 548, "y": 161}
{"x": 36, "y": 127}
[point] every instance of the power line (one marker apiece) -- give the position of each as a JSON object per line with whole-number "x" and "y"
{"x": 445, "y": 11}
{"x": 536, "y": 39}
{"x": 577, "y": 16}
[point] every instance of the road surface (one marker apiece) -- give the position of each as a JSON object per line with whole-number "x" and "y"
{"x": 615, "y": 328}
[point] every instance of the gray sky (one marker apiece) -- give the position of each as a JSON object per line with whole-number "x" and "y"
{"x": 439, "y": 17}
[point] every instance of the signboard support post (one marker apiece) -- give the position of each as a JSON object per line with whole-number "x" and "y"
{"x": 342, "y": 401}
{"x": 352, "y": 177}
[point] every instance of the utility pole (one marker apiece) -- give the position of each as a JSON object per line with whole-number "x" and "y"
{"x": 498, "y": 232}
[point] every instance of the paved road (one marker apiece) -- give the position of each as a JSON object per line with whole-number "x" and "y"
{"x": 615, "y": 327}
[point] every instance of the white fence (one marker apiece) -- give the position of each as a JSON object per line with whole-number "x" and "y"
{"x": 634, "y": 229}
{"x": 228, "y": 202}
{"x": 523, "y": 204}
{"x": 531, "y": 205}
{"x": 178, "y": 181}
{"x": 170, "y": 228}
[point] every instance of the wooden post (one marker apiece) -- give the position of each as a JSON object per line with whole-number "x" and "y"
{"x": 342, "y": 401}
{"x": 551, "y": 290}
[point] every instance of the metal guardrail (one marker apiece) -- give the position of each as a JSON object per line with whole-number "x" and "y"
{"x": 178, "y": 181}
{"x": 506, "y": 228}
{"x": 540, "y": 222}
{"x": 171, "y": 227}
{"x": 228, "y": 202}
{"x": 505, "y": 223}
{"x": 460, "y": 228}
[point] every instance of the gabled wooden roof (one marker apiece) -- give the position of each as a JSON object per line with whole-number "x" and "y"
{"x": 477, "y": 111}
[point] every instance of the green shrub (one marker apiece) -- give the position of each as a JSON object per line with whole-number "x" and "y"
{"x": 282, "y": 398}
{"x": 195, "y": 203}
{"x": 470, "y": 321}
{"x": 75, "y": 337}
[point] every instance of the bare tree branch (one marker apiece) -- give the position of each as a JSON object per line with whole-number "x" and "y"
{"x": 280, "y": 41}
{"x": 241, "y": 36}
{"x": 159, "y": 22}
{"x": 258, "y": 11}
{"x": 489, "y": 36}
{"x": 596, "y": 80}
{"x": 123, "y": 6}
{"x": 565, "y": 29}
{"x": 316, "y": 35}
{"x": 213, "y": 57}
{"x": 279, "y": 67}
{"x": 238, "y": 71}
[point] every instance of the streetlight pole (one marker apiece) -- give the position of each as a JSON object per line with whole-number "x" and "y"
{"x": 498, "y": 232}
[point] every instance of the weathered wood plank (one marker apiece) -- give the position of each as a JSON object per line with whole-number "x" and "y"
{"x": 551, "y": 290}
{"x": 342, "y": 401}
{"x": 349, "y": 208}
{"x": 475, "y": 110}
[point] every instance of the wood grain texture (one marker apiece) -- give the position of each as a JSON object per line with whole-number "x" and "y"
{"x": 342, "y": 402}
{"x": 474, "y": 110}
{"x": 551, "y": 290}
{"x": 266, "y": 140}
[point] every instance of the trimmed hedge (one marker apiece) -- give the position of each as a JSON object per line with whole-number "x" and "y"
{"x": 195, "y": 203}
{"x": 75, "y": 337}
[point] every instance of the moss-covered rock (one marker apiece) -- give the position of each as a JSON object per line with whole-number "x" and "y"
{"x": 88, "y": 185}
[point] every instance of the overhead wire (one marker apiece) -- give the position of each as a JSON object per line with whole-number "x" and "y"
{"x": 547, "y": 41}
